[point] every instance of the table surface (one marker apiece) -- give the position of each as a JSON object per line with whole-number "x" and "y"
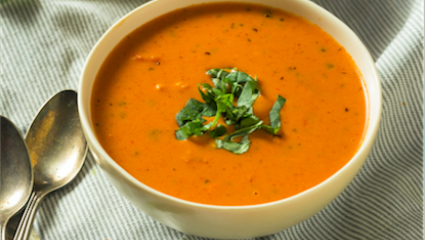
{"x": 44, "y": 45}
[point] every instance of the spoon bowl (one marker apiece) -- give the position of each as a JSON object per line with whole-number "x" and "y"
{"x": 56, "y": 143}
{"x": 57, "y": 147}
{"x": 16, "y": 176}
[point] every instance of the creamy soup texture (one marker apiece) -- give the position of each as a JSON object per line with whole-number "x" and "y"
{"x": 152, "y": 73}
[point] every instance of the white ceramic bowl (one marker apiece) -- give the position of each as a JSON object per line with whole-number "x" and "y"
{"x": 218, "y": 221}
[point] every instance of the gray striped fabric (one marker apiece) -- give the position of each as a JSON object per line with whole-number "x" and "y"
{"x": 43, "y": 48}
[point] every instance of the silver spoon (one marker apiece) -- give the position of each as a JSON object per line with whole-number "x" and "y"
{"x": 57, "y": 148}
{"x": 16, "y": 177}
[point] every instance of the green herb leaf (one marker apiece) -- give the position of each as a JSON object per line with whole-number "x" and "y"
{"x": 243, "y": 131}
{"x": 235, "y": 114}
{"x": 207, "y": 96}
{"x": 190, "y": 128}
{"x": 218, "y": 132}
{"x": 218, "y": 73}
{"x": 239, "y": 77}
{"x": 235, "y": 88}
{"x": 274, "y": 116}
{"x": 192, "y": 110}
{"x": 269, "y": 129}
{"x": 224, "y": 101}
{"x": 234, "y": 147}
{"x": 249, "y": 94}
{"x": 249, "y": 121}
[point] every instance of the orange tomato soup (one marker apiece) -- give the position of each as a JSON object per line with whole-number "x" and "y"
{"x": 151, "y": 74}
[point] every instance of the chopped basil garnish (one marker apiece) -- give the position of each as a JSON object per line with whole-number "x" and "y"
{"x": 229, "y": 84}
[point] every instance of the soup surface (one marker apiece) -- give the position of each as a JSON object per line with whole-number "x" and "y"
{"x": 151, "y": 74}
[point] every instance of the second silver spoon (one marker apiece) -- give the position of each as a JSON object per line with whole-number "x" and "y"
{"x": 57, "y": 148}
{"x": 16, "y": 178}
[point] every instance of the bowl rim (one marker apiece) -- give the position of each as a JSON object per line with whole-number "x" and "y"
{"x": 368, "y": 135}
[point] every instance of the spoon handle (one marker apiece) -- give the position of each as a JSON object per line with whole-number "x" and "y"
{"x": 24, "y": 227}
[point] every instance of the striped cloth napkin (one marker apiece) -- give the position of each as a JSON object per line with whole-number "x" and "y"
{"x": 43, "y": 48}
